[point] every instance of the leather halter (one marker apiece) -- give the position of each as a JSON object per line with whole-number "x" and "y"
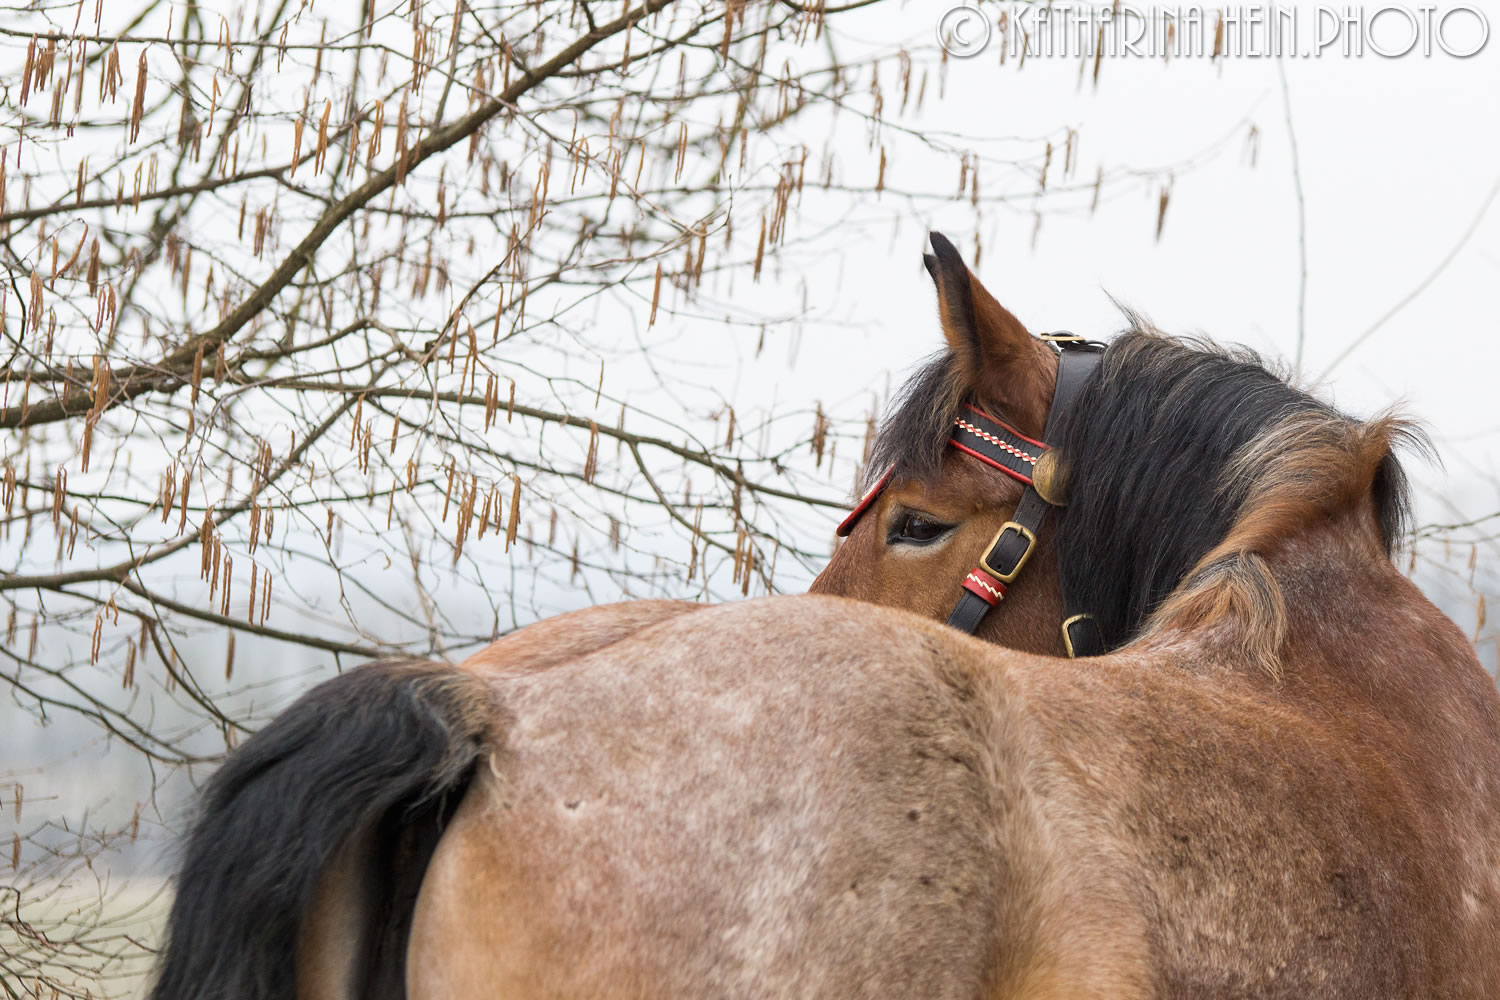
{"x": 998, "y": 444}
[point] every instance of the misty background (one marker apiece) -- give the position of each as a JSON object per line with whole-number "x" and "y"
{"x": 1337, "y": 207}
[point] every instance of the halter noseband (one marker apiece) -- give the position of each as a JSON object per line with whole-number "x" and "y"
{"x": 1032, "y": 463}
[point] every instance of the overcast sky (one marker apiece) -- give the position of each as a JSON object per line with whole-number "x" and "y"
{"x": 1399, "y": 160}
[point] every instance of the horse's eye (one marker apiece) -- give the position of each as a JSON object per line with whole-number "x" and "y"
{"x": 919, "y": 529}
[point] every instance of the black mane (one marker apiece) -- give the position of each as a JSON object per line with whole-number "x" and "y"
{"x": 1150, "y": 446}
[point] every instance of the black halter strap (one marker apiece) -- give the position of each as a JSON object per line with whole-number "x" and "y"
{"x": 1018, "y": 456}
{"x": 1026, "y": 460}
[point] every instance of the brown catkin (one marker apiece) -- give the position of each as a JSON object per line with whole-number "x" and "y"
{"x": 138, "y": 105}
{"x": 514, "y": 521}
{"x": 760, "y": 249}
{"x": 228, "y": 580}
{"x": 591, "y": 460}
{"x": 656, "y": 294}
{"x": 187, "y": 482}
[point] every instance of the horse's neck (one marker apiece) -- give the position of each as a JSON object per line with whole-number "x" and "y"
{"x": 1361, "y": 635}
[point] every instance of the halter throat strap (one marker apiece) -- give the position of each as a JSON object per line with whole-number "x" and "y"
{"x": 997, "y": 444}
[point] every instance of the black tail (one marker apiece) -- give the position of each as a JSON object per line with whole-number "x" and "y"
{"x": 383, "y": 752}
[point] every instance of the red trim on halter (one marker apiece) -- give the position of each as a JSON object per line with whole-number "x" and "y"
{"x": 1002, "y": 423}
{"x": 981, "y": 584}
{"x": 847, "y": 524}
{"x": 1012, "y": 473}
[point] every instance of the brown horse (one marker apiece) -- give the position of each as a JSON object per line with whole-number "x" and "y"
{"x": 1283, "y": 779}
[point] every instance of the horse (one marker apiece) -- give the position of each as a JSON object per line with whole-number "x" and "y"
{"x": 1277, "y": 775}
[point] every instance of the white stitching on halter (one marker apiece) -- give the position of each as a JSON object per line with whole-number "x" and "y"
{"x": 999, "y": 594}
{"x": 998, "y": 442}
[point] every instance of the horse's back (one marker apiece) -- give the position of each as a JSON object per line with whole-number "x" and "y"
{"x": 779, "y": 798}
{"x": 814, "y": 797}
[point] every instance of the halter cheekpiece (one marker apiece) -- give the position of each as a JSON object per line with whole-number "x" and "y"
{"x": 1031, "y": 463}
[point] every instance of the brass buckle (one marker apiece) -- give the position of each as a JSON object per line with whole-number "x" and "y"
{"x": 1023, "y": 531}
{"x": 1061, "y": 337}
{"x": 1068, "y": 636}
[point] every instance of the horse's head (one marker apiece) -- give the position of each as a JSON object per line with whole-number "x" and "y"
{"x": 922, "y": 530}
{"x": 1176, "y": 468}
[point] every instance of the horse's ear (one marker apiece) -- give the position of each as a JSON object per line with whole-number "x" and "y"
{"x": 1002, "y": 363}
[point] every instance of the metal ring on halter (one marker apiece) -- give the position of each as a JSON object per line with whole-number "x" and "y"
{"x": 1092, "y": 638}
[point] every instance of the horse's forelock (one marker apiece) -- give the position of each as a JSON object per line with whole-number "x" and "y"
{"x": 915, "y": 431}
